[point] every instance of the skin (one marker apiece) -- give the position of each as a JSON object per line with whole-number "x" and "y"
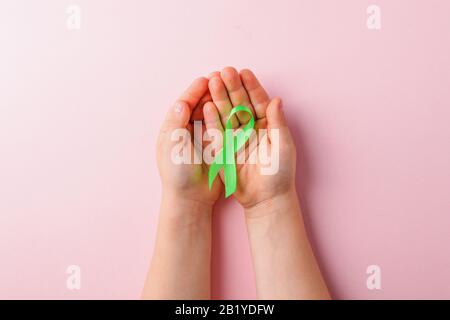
{"x": 180, "y": 266}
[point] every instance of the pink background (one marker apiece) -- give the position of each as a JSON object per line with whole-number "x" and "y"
{"x": 80, "y": 112}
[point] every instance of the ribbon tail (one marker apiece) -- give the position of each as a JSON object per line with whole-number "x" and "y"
{"x": 214, "y": 170}
{"x": 230, "y": 179}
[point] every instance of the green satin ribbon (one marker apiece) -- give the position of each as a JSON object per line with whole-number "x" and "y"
{"x": 231, "y": 145}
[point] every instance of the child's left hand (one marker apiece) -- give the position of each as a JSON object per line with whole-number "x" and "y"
{"x": 188, "y": 182}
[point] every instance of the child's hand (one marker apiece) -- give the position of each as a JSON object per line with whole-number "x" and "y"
{"x": 285, "y": 267}
{"x": 185, "y": 182}
{"x": 229, "y": 89}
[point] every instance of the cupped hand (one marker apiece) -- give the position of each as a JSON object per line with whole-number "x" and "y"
{"x": 229, "y": 89}
{"x": 185, "y": 181}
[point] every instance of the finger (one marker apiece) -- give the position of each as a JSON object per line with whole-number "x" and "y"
{"x": 275, "y": 115}
{"x": 212, "y": 117}
{"x": 177, "y": 117}
{"x": 261, "y": 124}
{"x": 204, "y": 142}
{"x": 276, "y": 120}
{"x": 197, "y": 114}
{"x": 195, "y": 92}
{"x": 258, "y": 96}
{"x": 213, "y": 122}
{"x": 206, "y": 97}
{"x": 237, "y": 93}
{"x": 214, "y": 74}
{"x": 220, "y": 98}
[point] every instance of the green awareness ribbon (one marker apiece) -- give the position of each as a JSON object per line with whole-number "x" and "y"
{"x": 231, "y": 145}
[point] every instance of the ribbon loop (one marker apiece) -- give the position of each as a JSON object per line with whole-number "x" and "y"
{"x": 231, "y": 145}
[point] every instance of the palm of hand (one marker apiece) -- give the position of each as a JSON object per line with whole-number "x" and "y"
{"x": 191, "y": 181}
{"x": 186, "y": 180}
{"x": 228, "y": 90}
{"x": 255, "y": 187}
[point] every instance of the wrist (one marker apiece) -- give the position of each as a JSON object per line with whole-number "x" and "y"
{"x": 273, "y": 218}
{"x": 178, "y": 207}
{"x": 279, "y": 203}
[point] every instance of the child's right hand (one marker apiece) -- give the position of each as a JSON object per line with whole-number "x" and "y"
{"x": 229, "y": 89}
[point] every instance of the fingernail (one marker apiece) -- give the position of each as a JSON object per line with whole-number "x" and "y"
{"x": 178, "y": 107}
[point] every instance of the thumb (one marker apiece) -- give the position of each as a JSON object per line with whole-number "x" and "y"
{"x": 275, "y": 115}
{"x": 178, "y": 116}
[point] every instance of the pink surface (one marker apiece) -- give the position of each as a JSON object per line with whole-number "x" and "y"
{"x": 80, "y": 111}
